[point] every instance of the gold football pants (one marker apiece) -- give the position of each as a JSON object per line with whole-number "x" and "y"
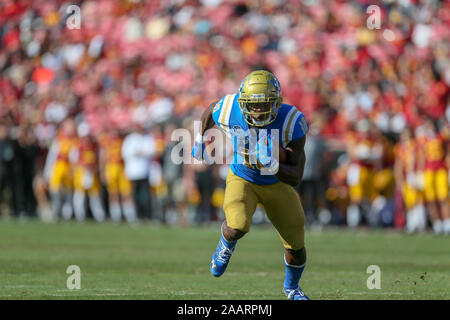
{"x": 281, "y": 203}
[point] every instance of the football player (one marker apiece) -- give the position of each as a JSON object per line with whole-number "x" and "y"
{"x": 86, "y": 179}
{"x": 255, "y": 175}
{"x": 58, "y": 169}
{"x": 113, "y": 175}
{"x": 432, "y": 162}
{"x": 365, "y": 153}
{"x": 405, "y": 168}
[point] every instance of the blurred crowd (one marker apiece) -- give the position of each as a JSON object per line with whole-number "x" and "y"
{"x": 86, "y": 115}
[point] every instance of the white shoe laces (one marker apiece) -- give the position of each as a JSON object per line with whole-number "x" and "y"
{"x": 293, "y": 292}
{"x": 224, "y": 255}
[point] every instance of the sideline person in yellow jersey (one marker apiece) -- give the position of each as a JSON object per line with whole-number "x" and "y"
{"x": 58, "y": 169}
{"x": 86, "y": 179}
{"x": 405, "y": 169}
{"x": 365, "y": 154}
{"x": 432, "y": 162}
{"x": 113, "y": 175}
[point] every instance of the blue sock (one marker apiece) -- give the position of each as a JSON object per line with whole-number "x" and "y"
{"x": 293, "y": 275}
{"x": 229, "y": 244}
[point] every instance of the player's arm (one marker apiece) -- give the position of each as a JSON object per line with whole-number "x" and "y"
{"x": 447, "y": 152}
{"x": 398, "y": 171}
{"x": 207, "y": 122}
{"x": 350, "y": 147}
{"x": 50, "y": 160}
{"x": 207, "y": 118}
{"x": 102, "y": 161}
{"x": 421, "y": 157}
{"x": 292, "y": 173}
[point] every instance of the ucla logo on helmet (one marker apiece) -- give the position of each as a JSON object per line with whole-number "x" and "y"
{"x": 275, "y": 83}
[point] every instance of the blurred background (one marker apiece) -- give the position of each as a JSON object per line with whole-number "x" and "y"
{"x": 86, "y": 115}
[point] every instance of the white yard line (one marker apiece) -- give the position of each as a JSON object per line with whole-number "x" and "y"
{"x": 374, "y": 293}
{"x": 95, "y": 294}
{"x": 18, "y": 286}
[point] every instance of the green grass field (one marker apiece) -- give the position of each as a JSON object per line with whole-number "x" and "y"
{"x": 154, "y": 262}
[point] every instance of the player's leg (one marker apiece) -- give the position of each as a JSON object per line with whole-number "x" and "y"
{"x": 355, "y": 178}
{"x": 370, "y": 193}
{"x": 295, "y": 262}
{"x": 239, "y": 205}
{"x": 382, "y": 205}
{"x": 430, "y": 198}
{"x": 442, "y": 197}
{"x": 55, "y": 187}
{"x": 114, "y": 206}
{"x": 285, "y": 211}
{"x": 68, "y": 183}
{"x": 420, "y": 211}
{"x": 126, "y": 189}
{"x": 79, "y": 195}
{"x": 61, "y": 190}
{"x": 231, "y": 234}
{"x": 95, "y": 202}
{"x": 408, "y": 194}
{"x": 112, "y": 186}
{"x": 79, "y": 208}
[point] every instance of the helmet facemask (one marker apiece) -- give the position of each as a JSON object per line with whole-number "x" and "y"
{"x": 259, "y": 114}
